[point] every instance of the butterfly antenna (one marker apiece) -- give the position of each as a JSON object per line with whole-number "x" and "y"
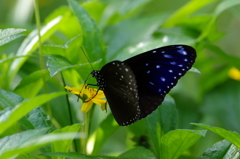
{"x": 89, "y": 74}
{"x": 87, "y": 58}
{"x": 90, "y": 65}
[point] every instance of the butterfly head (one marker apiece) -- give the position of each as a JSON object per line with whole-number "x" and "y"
{"x": 100, "y": 81}
{"x": 95, "y": 73}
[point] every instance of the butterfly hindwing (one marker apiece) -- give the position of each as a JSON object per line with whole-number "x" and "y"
{"x": 121, "y": 92}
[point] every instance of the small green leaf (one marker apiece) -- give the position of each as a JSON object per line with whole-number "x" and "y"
{"x": 9, "y": 117}
{"x": 218, "y": 150}
{"x": 193, "y": 69}
{"x": 175, "y": 142}
{"x": 57, "y": 63}
{"x": 233, "y": 137}
{"x": 7, "y": 35}
{"x": 138, "y": 153}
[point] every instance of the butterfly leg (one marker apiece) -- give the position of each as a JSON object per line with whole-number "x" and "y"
{"x": 96, "y": 92}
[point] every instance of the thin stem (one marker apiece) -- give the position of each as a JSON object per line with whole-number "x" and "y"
{"x": 69, "y": 112}
{"x": 86, "y": 130}
{"x": 37, "y": 16}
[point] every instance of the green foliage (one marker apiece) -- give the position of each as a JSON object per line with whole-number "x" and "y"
{"x": 39, "y": 120}
{"x": 10, "y": 34}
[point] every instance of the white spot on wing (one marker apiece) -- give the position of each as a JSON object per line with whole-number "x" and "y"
{"x": 167, "y": 56}
{"x": 151, "y": 83}
{"x": 163, "y": 79}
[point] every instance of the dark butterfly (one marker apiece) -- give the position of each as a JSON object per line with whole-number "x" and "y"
{"x": 134, "y": 88}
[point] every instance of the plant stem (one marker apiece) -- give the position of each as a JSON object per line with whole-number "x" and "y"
{"x": 86, "y": 130}
{"x": 37, "y": 16}
{"x": 69, "y": 112}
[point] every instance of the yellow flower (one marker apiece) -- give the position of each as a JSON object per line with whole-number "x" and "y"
{"x": 88, "y": 96}
{"x": 234, "y": 73}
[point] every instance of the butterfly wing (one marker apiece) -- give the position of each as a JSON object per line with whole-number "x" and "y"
{"x": 121, "y": 92}
{"x": 158, "y": 71}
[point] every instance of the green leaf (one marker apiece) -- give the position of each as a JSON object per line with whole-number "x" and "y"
{"x": 168, "y": 114}
{"x": 64, "y": 146}
{"x": 233, "y": 137}
{"x": 92, "y": 38}
{"x": 9, "y": 99}
{"x": 7, "y": 35}
{"x": 32, "y": 84}
{"x": 193, "y": 69}
{"x": 175, "y": 142}
{"x": 57, "y": 63}
{"x": 35, "y": 143}
{"x": 218, "y": 150}
{"x": 129, "y": 33}
{"x": 37, "y": 118}
{"x": 224, "y": 5}
{"x": 186, "y": 11}
{"x": 9, "y": 117}
{"x": 138, "y": 153}
{"x": 17, "y": 140}
{"x": 161, "y": 121}
{"x": 116, "y": 11}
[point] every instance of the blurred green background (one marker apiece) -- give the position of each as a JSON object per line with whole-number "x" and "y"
{"x": 211, "y": 97}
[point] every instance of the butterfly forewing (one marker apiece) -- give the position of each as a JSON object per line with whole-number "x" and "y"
{"x": 157, "y": 71}
{"x": 121, "y": 92}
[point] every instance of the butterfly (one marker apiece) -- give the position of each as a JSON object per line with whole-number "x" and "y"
{"x": 134, "y": 88}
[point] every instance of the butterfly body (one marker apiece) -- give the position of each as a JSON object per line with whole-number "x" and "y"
{"x": 134, "y": 88}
